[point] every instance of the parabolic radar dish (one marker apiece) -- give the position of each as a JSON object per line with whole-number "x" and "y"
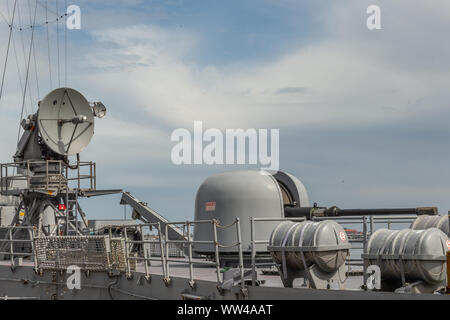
{"x": 66, "y": 121}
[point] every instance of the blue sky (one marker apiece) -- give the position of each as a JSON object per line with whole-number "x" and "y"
{"x": 363, "y": 115}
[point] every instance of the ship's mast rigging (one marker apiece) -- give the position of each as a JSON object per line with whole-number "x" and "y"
{"x": 43, "y": 23}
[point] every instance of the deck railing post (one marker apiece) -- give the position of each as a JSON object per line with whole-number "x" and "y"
{"x": 216, "y": 249}
{"x": 161, "y": 249}
{"x": 241, "y": 256}
{"x": 371, "y": 224}
{"x": 167, "y": 242}
{"x": 191, "y": 267}
{"x": 11, "y": 247}
{"x": 147, "y": 274}
{"x": 364, "y": 218}
{"x": 127, "y": 257}
{"x": 252, "y": 235}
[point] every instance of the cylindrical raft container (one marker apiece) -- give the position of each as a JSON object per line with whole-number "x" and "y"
{"x": 323, "y": 243}
{"x": 425, "y": 222}
{"x": 421, "y": 253}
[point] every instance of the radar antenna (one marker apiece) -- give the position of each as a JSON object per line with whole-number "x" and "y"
{"x": 66, "y": 121}
{"x": 48, "y": 185}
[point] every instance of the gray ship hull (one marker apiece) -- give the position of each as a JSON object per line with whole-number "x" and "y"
{"x": 24, "y": 283}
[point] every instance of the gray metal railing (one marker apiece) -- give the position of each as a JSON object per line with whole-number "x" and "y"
{"x": 53, "y": 175}
{"x": 13, "y": 245}
{"x": 164, "y": 241}
{"x": 146, "y": 259}
{"x": 129, "y": 255}
{"x": 9, "y": 245}
{"x": 189, "y": 242}
{"x": 91, "y": 175}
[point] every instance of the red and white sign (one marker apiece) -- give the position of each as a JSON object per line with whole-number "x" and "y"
{"x": 210, "y": 206}
{"x": 342, "y": 235}
{"x": 448, "y": 244}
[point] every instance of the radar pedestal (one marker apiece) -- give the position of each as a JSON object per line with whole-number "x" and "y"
{"x": 42, "y": 176}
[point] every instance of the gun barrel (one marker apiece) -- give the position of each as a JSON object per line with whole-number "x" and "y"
{"x": 395, "y": 211}
{"x": 310, "y": 212}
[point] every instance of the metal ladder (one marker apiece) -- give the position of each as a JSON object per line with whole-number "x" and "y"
{"x": 72, "y": 211}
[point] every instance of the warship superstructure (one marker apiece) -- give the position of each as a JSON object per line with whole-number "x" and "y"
{"x": 254, "y": 235}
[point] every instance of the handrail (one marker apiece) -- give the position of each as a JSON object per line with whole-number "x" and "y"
{"x": 215, "y": 225}
{"x": 8, "y": 244}
{"x": 54, "y": 175}
{"x": 164, "y": 241}
{"x": 10, "y": 241}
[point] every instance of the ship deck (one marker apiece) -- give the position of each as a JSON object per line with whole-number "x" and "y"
{"x": 24, "y": 283}
{"x": 266, "y": 279}
{"x": 209, "y": 274}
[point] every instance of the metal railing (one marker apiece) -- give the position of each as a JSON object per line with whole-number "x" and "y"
{"x": 139, "y": 250}
{"x": 189, "y": 242}
{"x": 91, "y": 176}
{"x": 164, "y": 242}
{"x": 132, "y": 251}
{"x": 147, "y": 257}
{"x": 49, "y": 175}
{"x": 13, "y": 245}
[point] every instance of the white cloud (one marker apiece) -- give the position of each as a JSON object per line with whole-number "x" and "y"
{"x": 127, "y": 143}
{"x": 149, "y": 78}
{"x": 346, "y": 80}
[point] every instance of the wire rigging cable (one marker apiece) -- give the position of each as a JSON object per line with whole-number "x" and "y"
{"x": 65, "y": 51}
{"x": 34, "y": 58}
{"x": 27, "y": 85}
{"x": 28, "y": 55}
{"x": 48, "y": 45}
{"x": 37, "y": 25}
{"x": 7, "y": 50}
{"x": 28, "y": 70}
{"x": 19, "y": 73}
{"x": 57, "y": 44}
